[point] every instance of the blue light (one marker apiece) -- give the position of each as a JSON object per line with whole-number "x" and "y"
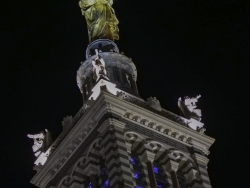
{"x": 158, "y": 184}
{"x": 132, "y": 161}
{"x": 106, "y": 184}
{"x": 136, "y": 176}
{"x": 138, "y": 187}
{"x": 89, "y": 186}
{"x": 156, "y": 170}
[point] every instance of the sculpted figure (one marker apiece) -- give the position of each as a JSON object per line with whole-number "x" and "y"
{"x": 99, "y": 67}
{"x": 38, "y": 142}
{"x": 188, "y": 107}
{"x": 42, "y": 142}
{"x": 100, "y": 18}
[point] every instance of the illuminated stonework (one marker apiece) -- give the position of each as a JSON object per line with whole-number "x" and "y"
{"x": 41, "y": 146}
{"x": 117, "y": 139}
{"x": 188, "y": 109}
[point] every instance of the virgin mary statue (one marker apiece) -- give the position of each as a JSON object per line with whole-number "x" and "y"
{"x": 101, "y": 19}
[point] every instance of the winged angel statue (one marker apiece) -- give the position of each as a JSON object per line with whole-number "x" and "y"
{"x": 41, "y": 147}
{"x": 100, "y": 18}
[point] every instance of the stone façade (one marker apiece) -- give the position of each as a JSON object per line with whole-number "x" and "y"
{"x": 107, "y": 111}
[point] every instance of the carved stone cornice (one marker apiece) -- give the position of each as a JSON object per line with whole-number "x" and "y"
{"x": 109, "y": 125}
{"x": 142, "y": 103}
{"x": 68, "y": 144}
{"x": 148, "y": 118}
{"x": 200, "y": 158}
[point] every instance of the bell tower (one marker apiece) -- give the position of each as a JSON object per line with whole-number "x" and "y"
{"x": 117, "y": 139}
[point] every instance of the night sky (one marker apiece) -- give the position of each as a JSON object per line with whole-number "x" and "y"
{"x": 180, "y": 47}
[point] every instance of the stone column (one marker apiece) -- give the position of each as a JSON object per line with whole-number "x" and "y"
{"x": 169, "y": 179}
{"x": 172, "y": 166}
{"x": 201, "y": 162}
{"x": 92, "y": 170}
{"x": 147, "y": 157}
{"x": 129, "y": 146}
{"x": 116, "y": 155}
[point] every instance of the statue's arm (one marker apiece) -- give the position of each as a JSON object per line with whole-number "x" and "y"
{"x": 30, "y": 136}
{"x": 35, "y": 135}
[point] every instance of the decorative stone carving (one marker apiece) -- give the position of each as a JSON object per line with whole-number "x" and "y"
{"x": 202, "y": 130}
{"x": 189, "y": 140}
{"x": 162, "y": 129}
{"x": 167, "y": 131}
{"x": 206, "y": 151}
{"x": 182, "y": 138}
{"x": 142, "y": 103}
{"x": 158, "y": 128}
{"x": 120, "y": 94}
{"x": 131, "y": 98}
{"x": 154, "y": 103}
{"x": 129, "y": 115}
{"x": 188, "y": 107}
{"x": 106, "y": 65}
{"x": 154, "y": 126}
{"x": 144, "y": 122}
{"x": 37, "y": 168}
{"x": 151, "y": 124}
{"x": 178, "y": 134}
{"x": 67, "y": 123}
{"x": 136, "y": 118}
{"x": 57, "y": 142}
{"x": 175, "y": 134}
{"x": 99, "y": 67}
{"x": 79, "y": 115}
{"x": 41, "y": 147}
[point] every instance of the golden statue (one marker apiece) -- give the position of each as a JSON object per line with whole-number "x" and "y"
{"x": 101, "y": 19}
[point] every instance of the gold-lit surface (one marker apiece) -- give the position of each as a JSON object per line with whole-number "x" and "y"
{"x": 101, "y": 19}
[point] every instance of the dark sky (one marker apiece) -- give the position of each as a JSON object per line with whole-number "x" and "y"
{"x": 180, "y": 47}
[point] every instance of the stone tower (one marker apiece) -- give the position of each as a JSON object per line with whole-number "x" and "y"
{"x": 119, "y": 140}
